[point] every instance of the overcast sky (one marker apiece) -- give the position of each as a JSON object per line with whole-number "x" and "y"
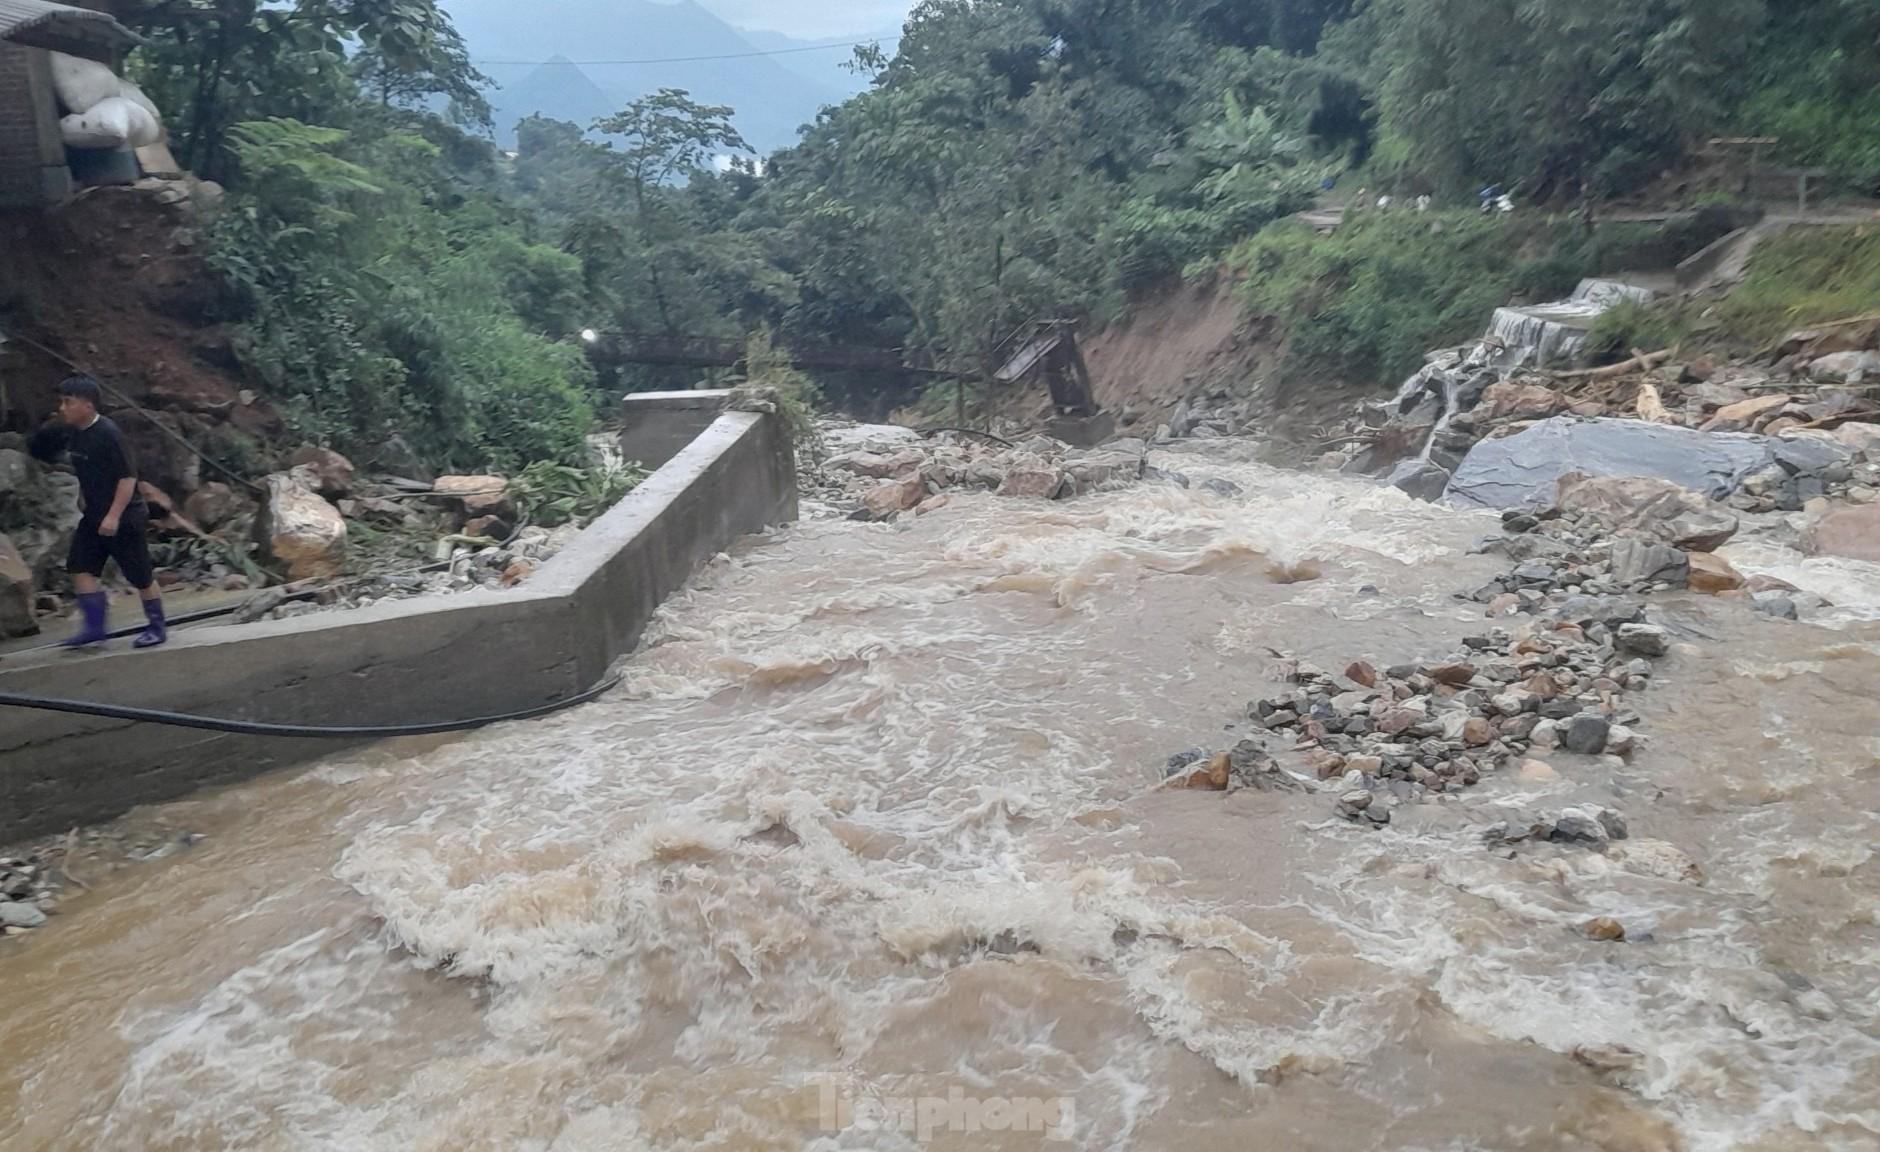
{"x": 814, "y": 19}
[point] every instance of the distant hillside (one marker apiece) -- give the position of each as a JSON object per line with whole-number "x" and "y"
{"x": 826, "y": 65}
{"x": 511, "y": 42}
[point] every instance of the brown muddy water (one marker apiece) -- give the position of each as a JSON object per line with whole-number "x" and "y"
{"x": 864, "y": 854}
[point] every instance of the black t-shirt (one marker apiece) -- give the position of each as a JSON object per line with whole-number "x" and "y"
{"x": 100, "y": 459}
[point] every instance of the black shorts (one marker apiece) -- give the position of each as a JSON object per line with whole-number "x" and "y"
{"x": 129, "y": 548}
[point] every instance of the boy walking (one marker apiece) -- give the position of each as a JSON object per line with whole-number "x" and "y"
{"x": 113, "y": 518}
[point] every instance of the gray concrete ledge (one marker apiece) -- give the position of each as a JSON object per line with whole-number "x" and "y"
{"x": 399, "y": 662}
{"x": 656, "y": 426}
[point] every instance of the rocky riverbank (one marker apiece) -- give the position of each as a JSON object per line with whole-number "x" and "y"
{"x": 1562, "y": 673}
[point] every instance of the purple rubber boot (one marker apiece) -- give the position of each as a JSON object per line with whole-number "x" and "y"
{"x": 157, "y": 633}
{"x": 92, "y": 607}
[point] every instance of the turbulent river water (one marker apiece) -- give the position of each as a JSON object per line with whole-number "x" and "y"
{"x": 869, "y": 833}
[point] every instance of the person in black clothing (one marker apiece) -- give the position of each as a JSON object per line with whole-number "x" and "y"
{"x": 113, "y": 518}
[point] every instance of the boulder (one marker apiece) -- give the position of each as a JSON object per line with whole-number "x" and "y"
{"x": 1805, "y": 454}
{"x": 1507, "y": 400}
{"x": 211, "y": 505}
{"x": 1845, "y": 367}
{"x": 1712, "y": 574}
{"x": 1037, "y": 479}
{"x": 1713, "y": 394}
{"x": 891, "y": 496}
{"x": 1744, "y": 413}
{"x": 16, "y": 592}
{"x": 1651, "y": 406}
{"x": 1420, "y": 479}
{"x": 1637, "y": 561}
{"x": 1099, "y": 468}
{"x": 1862, "y": 438}
{"x": 879, "y": 466}
{"x": 477, "y": 495}
{"x": 1655, "y": 508}
{"x": 333, "y": 472}
{"x": 297, "y": 530}
{"x": 1523, "y": 470}
{"x": 1852, "y": 532}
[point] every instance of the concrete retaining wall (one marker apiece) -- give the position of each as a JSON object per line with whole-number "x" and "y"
{"x": 413, "y": 661}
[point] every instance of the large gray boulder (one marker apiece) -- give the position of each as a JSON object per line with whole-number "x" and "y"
{"x": 1522, "y": 471}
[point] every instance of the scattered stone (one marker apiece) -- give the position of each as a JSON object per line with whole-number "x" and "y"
{"x": 1656, "y": 508}
{"x": 19, "y": 914}
{"x": 1712, "y": 574}
{"x": 333, "y": 473}
{"x": 1210, "y": 776}
{"x": 1643, "y": 640}
{"x": 477, "y": 495}
{"x": 1659, "y": 859}
{"x": 1850, "y": 532}
{"x": 1744, "y": 413}
{"x": 1455, "y": 674}
{"x": 891, "y": 496}
{"x": 1604, "y": 928}
{"x": 1644, "y": 562}
{"x": 1585, "y": 734}
{"x": 1362, "y": 673}
{"x": 1477, "y": 733}
{"x": 1580, "y": 825}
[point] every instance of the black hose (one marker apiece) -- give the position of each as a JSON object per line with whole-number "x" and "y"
{"x": 314, "y": 731}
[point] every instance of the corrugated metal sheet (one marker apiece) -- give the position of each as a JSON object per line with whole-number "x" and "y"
{"x": 42, "y": 24}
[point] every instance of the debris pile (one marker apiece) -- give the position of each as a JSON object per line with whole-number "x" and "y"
{"x": 880, "y": 472}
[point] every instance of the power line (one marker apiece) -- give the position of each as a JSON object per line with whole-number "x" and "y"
{"x": 681, "y": 59}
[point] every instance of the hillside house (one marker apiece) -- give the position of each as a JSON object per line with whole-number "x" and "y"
{"x": 33, "y": 168}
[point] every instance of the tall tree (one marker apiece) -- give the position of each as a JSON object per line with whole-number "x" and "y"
{"x": 666, "y": 136}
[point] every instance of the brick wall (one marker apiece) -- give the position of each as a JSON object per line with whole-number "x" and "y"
{"x": 31, "y": 156}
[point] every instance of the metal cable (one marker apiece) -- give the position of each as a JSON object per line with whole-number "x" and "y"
{"x": 307, "y": 731}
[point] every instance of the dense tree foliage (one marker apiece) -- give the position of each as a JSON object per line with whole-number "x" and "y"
{"x": 410, "y": 292}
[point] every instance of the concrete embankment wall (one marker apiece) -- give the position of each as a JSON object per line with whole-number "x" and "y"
{"x": 403, "y": 662}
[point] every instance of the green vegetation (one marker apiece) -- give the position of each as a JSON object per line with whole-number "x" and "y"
{"x": 1800, "y": 277}
{"x": 409, "y": 294}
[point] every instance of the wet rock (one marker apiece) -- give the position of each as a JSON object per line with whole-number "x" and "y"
{"x": 1745, "y": 413}
{"x": 1365, "y": 765}
{"x": 297, "y": 530}
{"x": 1580, "y": 825}
{"x": 1777, "y": 605}
{"x": 1643, "y": 562}
{"x": 16, "y": 592}
{"x": 477, "y": 495}
{"x": 891, "y": 496}
{"x": 212, "y": 505}
{"x": 1643, "y": 640}
{"x": 1648, "y": 506}
{"x": 1455, "y": 674}
{"x": 18, "y": 914}
{"x": 1507, "y": 400}
{"x": 1212, "y": 775}
{"x": 1523, "y": 470}
{"x": 1846, "y": 368}
{"x": 1037, "y": 480}
{"x": 1420, "y": 479}
{"x": 1360, "y": 672}
{"x": 1862, "y": 438}
{"x": 333, "y": 473}
{"x": 1604, "y": 928}
{"x": 1805, "y": 455}
{"x": 1713, "y": 574}
{"x": 1546, "y": 734}
{"x": 1585, "y": 734}
{"x": 1852, "y": 532}
{"x": 1657, "y": 858}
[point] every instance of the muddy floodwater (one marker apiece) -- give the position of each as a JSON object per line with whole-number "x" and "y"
{"x": 869, "y": 832}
